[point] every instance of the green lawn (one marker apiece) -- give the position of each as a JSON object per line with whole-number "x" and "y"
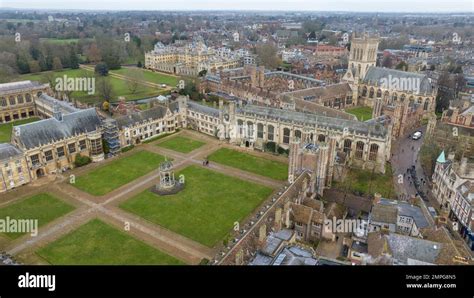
{"x": 119, "y": 172}
{"x": 181, "y": 144}
{"x": 362, "y": 113}
{"x": 258, "y": 165}
{"x": 150, "y": 76}
{"x": 97, "y": 243}
{"x": 120, "y": 87}
{"x": 43, "y": 207}
{"x": 6, "y": 128}
{"x": 367, "y": 183}
{"x": 205, "y": 210}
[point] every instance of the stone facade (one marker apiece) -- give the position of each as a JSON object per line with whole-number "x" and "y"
{"x": 17, "y": 100}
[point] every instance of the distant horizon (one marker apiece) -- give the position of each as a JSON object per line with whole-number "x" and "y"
{"x": 304, "y": 6}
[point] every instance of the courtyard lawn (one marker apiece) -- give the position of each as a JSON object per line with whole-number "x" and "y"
{"x": 119, "y": 172}
{"x": 150, "y": 76}
{"x": 119, "y": 86}
{"x": 6, "y": 128}
{"x": 258, "y": 165}
{"x": 367, "y": 183}
{"x": 181, "y": 144}
{"x": 362, "y": 113}
{"x": 97, "y": 243}
{"x": 205, "y": 210}
{"x": 43, "y": 207}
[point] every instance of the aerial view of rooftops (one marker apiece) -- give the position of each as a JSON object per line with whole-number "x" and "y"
{"x": 301, "y": 133}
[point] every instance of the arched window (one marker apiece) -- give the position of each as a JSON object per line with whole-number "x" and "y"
{"x": 371, "y": 93}
{"x": 321, "y": 138}
{"x": 271, "y": 132}
{"x": 250, "y": 129}
{"x": 420, "y": 100}
{"x": 394, "y": 97}
{"x": 260, "y": 131}
{"x": 364, "y": 91}
{"x": 386, "y": 96}
{"x": 347, "y": 146}
{"x": 240, "y": 127}
{"x": 286, "y": 136}
{"x": 379, "y": 93}
{"x": 412, "y": 101}
{"x": 402, "y": 98}
{"x": 374, "y": 149}
{"x": 426, "y": 105}
{"x": 298, "y": 134}
{"x": 359, "y": 150}
{"x": 28, "y": 97}
{"x": 12, "y": 100}
{"x": 3, "y": 102}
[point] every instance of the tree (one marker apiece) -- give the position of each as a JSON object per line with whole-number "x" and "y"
{"x": 34, "y": 66}
{"x": 387, "y": 62}
{"x": 93, "y": 53}
{"x": 73, "y": 60}
{"x": 106, "y": 106}
{"x": 105, "y": 88}
{"x": 82, "y": 160}
{"x": 101, "y": 69}
{"x": 267, "y": 53}
{"x": 135, "y": 77}
{"x": 203, "y": 73}
{"x": 57, "y": 65}
{"x": 402, "y": 66}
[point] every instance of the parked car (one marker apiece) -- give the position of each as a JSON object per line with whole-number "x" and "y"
{"x": 417, "y": 135}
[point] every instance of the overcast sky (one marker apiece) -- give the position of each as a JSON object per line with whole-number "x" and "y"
{"x": 300, "y": 5}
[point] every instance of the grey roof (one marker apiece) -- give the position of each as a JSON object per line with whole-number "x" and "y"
{"x": 34, "y": 134}
{"x": 408, "y": 210}
{"x": 64, "y": 106}
{"x": 379, "y": 76}
{"x": 316, "y": 120}
{"x": 384, "y": 214}
{"x": 203, "y": 109}
{"x": 8, "y": 150}
{"x": 7, "y": 87}
{"x": 154, "y": 113}
{"x": 406, "y": 248}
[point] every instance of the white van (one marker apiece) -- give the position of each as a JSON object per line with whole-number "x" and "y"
{"x": 417, "y": 135}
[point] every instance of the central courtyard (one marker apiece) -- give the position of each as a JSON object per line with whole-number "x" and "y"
{"x": 206, "y": 210}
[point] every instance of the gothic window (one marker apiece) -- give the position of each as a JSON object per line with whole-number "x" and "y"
{"x": 402, "y": 98}
{"x": 82, "y": 145}
{"x": 48, "y": 155}
{"x": 374, "y": 148}
{"x": 286, "y": 136}
{"x": 298, "y": 134}
{"x": 260, "y": 130}
{"x": 96, "y": 147}
{"x": 364, "y": 91}
{"x": 12, "y": 100}
{"x": 394, "y": 97}
{"x": 420, "y": 100}
{"x": 379, "y": 93}
{"x": 321, "y": 138}
{"x": 240, "y": 127}
{"x": 20, "y": 99}
{"x": 71, "y": 147}
{"x": 28, "y": 97}
{"x": 60, "y": 151}
{"x": 371, "y": 93}
{"x": 386, "y": 96}
{"x": 412, "y": 101}
{"x": 347, "y": 146}
{"x": 271, "y": 131}
{"x": 3, "y": 102}
{"x": 250, "y": 129}
{"x": 35, "y": 159}
{"x": 426, "y": 105}
{"x": 359, "y": 150}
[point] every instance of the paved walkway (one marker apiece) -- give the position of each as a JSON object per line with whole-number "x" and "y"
{"x": 106, "y": 207}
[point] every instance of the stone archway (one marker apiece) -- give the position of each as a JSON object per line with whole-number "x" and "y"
{"x": 39, "y": 173}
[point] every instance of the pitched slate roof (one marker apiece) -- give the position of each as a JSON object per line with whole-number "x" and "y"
{"x": 203, "y": 109}
{"x": 384, "y": 213}
{"x": 14, "y": 86}
{"x": 8, "y": 150}
{"x": 408, "y": 210}
{"x": 379, "y": 75}
{"x": 34, "y": 134}
{"x": 154, "y": 113}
